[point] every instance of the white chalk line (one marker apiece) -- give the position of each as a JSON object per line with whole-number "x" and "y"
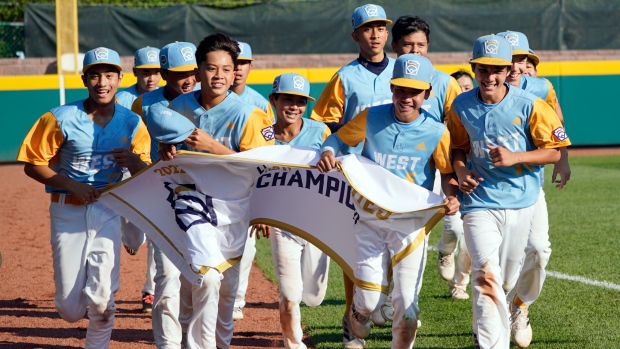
{"x": 562, "y": 276}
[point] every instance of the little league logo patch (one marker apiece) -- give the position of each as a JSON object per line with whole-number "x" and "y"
{"x": 188, "y": 53}
{"x": 163, "y": 59}
{"x": 101, "y": 53}
{"x": 268, "y": 133}
{"x": 491, "y": 47}
{"x": 274, "y": 87}
{"x": 372, "y": 11}
{"x": 240, "y": 49}
{"x": 151, "y": 56}
{"x": 412, "y": 67}
{"x": 513, "y": 39}
{"x": 560, "y": 133}
{"x": 298, "y": 82}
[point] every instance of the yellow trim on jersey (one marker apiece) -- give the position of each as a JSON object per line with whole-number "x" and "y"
{"x": 458, "y": 134}
{"x": 441, "y": 154}
{"x": 252, "y": 136}
{"x": 141, "y": 143}
{"x": 453, "y": 90}
{"x": 354, "y": 132}
{"x": 326, "y": 133}
{"x": 543, "y": 122}
{"x": 136, "y": 107}
{"x": 330, "y": 106}
{"x": 42, "y": 141}
{"x": 552, "y": 98}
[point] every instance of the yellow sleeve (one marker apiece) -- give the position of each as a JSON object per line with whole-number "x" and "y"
{"x": 453, "y": 90}
{"x": 330, "y": 106}
{"x": 141, "y": 143}
{"x": 545, "y": 127}
{"x": 458, "y": 134}
{"x": 270, "y": 115}
{"x": 136, "y": 107}
{"x": 552, "y": 98}
{"x": 326, "y": 133}
{"x": 354, "y": 132}
{"x": 42, "y": 141}
{"x": 441, "y": 155}
{"x": 258, "y": 131}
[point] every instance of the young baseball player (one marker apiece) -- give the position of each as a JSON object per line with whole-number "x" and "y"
{"x": 225, "y": 125}
{"x": 76, "y": 150}
{"x": 171, "y": 309}
{"x": 509, "y": 133}
{"x": 420, "y": 144}
{"x": 251, "y": 97}
{"x": 530, "y": 67}
{"x": 538, "y": 249}
{"x": 146, "y": 69}
{"x": 359, "y": 85}
{"x": 412, "y": 35}
{"x": 464, "y": 79}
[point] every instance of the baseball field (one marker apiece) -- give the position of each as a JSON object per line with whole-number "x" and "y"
{"x": 578, "y": 307}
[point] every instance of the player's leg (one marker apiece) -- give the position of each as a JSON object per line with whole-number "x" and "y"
{"x": 286, "y": 251}
{"x": 167, "y": 331}
{"x": 205, "y": 300}
{"x": 244, "y": 275}
{"x": 349, "y": 341}
{"x": 103, "y": 273}
{"x": 228, "y": 291}
{"x": 314, "y": 272}
{"x": 148, "y": 292}
{"x": 450, "y": 235}
{"x": 69, "y": 246}
{"x": 458, "y": 284}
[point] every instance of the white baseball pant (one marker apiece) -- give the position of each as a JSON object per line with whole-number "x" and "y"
{"x": 452, "y": 225}
{"x": 244, "y": 269}
{"x": 302, "y": 271}
{"x": 86, "y": 255}
{"x": 462, "y": 267}
{"x": 496, "y": 242}
{"x": 151, "y": 270}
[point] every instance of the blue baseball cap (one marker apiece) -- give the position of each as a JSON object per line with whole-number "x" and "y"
{"x": 492, "y": 50}
{"x": 520, "y": 45}
{"x": 368, "y": 13}
{"x": 178, "y": 56}
{"x": 292, "y": 84}
{"x": 245, "y": 52}
{"x": 101, "y": 55}
{"x": 146, "y": 58}
{"x": 412, "y": 71}
{"x": 166, "y": 125}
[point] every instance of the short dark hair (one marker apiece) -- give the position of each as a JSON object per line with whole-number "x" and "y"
{"x": 217, "y": 42}
{"x": 460, "y": 73}
{"x": 406, "y": 25}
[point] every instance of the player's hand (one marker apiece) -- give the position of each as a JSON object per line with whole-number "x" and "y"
{"x": 468, "y": 180}
{"x": 200, "y": 140}
{"x": 561, "y": 168}
{"x": 452, "y": 205}
{"x": 260, "y": 228}
{"x": 84, "y": 192}
{"x": 166, "y": 151}
{"x": 501, "y": 156}
{"x": 327, "y": 163}
{"x": 126, "y": 158}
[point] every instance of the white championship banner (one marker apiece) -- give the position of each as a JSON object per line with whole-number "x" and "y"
{"x": 278, "y": 186}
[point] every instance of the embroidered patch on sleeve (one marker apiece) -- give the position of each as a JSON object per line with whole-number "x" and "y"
{"x": 560, "y": 134}
{"x": 268, "y": 133}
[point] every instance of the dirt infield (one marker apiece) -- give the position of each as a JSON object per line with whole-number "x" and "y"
{"x": 28, "y": 318}
{"x": 593, "y": 151}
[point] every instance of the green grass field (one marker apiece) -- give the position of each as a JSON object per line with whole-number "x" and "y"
{"x": 584, "y": 227}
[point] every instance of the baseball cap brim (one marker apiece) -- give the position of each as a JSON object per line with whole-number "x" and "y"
{"x": 244, "y": 58}
{"x": 530, "y": 55}
{"x": 410, "y": 83}
{"x": 295, "y": 93}
{"x": 147, "y": 66}
{"x": 186, "y": 67}
{"x": 86, "y": 67}
{"x": 387, "y": 21}
{"x": 491, "y": 61}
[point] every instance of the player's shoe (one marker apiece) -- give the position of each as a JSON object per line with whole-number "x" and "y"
{"x": 384, "y": 314}
{"x": 237, "y": 313}
{"x": 349, "y": 341}
{"x": 476, "y": 344}
{"x": 458, "y": 293}
{"x": 147, "y": 302}
{"x": 131, "y": 251}
{"x": 445, "y": 265}
{"x": 360, "y": 324}
{"x": 520, "y": 329}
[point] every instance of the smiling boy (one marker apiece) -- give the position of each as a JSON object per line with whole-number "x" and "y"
{"x": 146, "y": 69}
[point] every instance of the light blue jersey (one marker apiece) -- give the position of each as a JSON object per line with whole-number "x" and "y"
{"x": 142, "y": 104}
{"x": 127, "y": 96}
{"x": 411, "y": 151}
{"x": 444, "y": 90}
{"x": 312, "y": 135}
{"x": 251, "y": 97}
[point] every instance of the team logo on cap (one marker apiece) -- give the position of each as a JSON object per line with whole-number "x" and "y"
{"x": 372, "y": 11}
{"x": 188, "y": 53}
{"x": 151, "y": 56}
{"x": 491, "y": 47}
{"x": 101, "y": 53}
{"x": 163, "y": 59}
{"x": 240, "y": 49}
{"x": 276, "y": 83}
{"x": 298, "y": 82}
{"x": 513, "y": 39}
{"x": 412, "y": 67}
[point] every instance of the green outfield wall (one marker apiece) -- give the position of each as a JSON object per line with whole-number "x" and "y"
{"x": 587, "y": 91}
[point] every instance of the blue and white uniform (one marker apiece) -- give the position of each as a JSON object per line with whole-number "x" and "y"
{"x": 128, "y": 96}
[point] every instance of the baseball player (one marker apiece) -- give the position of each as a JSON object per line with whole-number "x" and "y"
{"x": 225, "y": 125}
{"x": 171, "y": 309}
{"x": 358, "y": 85}
{"x": 464, "y": 79}
{"x": 530, "y": 68}
{"x": 509, "y": 134}
{"x": 538, "y": 249}
{"x": 146, "y": 69}
{"x": 76, "y": 150}
{"x": 406, "y": 132}
{"x": 251, "y": 97}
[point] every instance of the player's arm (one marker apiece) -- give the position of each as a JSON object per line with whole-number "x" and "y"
{"x": 449, "y": 183}
{"x": 39, "y": 147}
{"x": 136, "y": 107}
{"x": 562, "y": 167}
{"x": 270, "y": 115}
{"x": 352, "y": 134}
{"x": 329, "y": 109}
{"x": 138, "y": 156}
{"x": 467, "y": 179}
{"x": 257, "y": 131}
{"x": 452, "y": 91}
{"x": 202, "y": 141}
